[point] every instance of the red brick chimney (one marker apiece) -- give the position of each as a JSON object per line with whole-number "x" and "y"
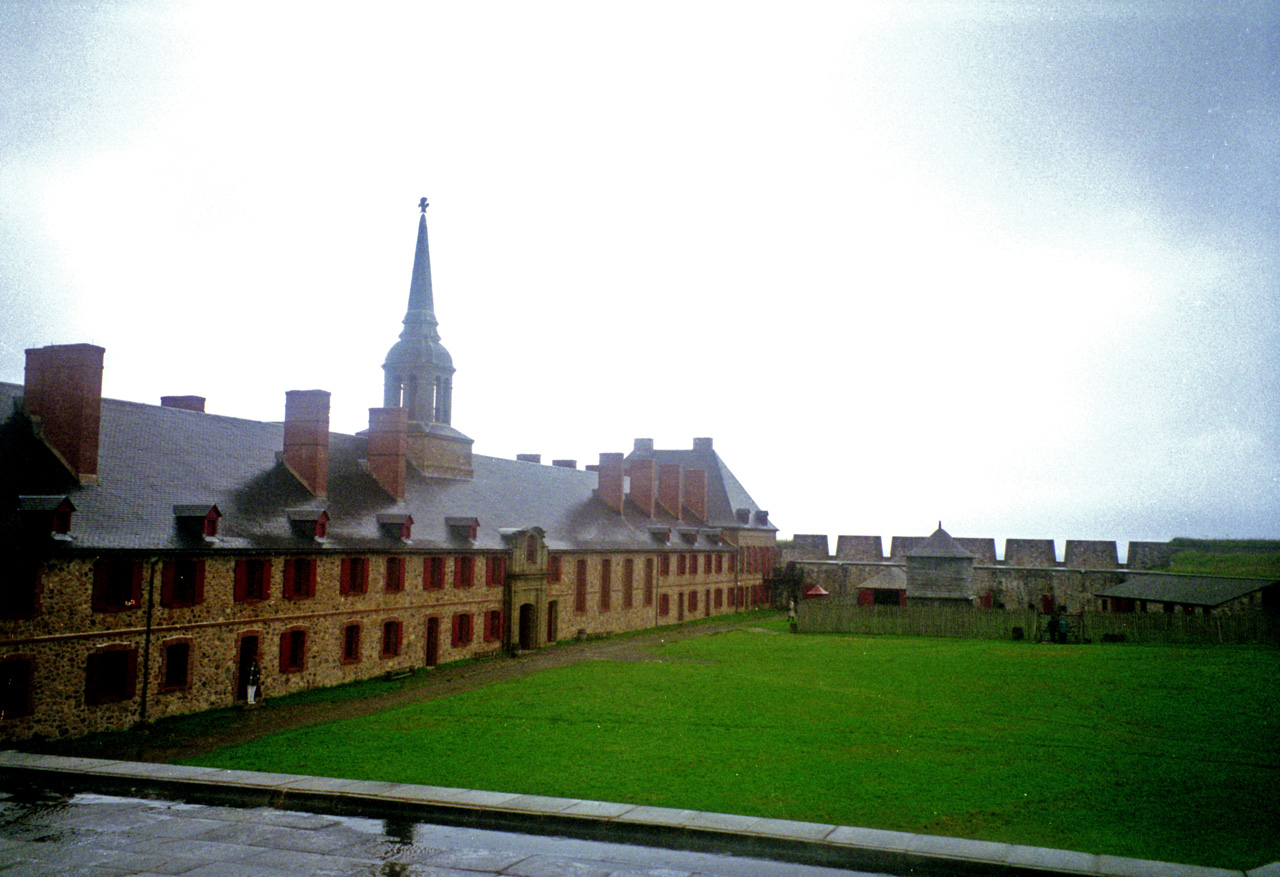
{"x": 695, "y": 492}
{"x": 644, "y": 485}
{"x": 306, "y": 438}
{"x": 670, "y": 488}
{"x": 186, "y": 403}
{"x": 62, "y": 395}
{"x": 388, "y": 441}
{"x": 609, "y": 480}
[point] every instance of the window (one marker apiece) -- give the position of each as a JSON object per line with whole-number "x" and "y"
{"x": 464, "y": 571}
{"x": 392, "y": 634}
{"x": 15, "y": 686}
{"x": 628, "y": 582}
{"x": 664, "y": 566}
{"x": 111, "y": 675}
{"x": 495, "y": 570}
{"x": 664, "y": 604}
{"x": 299, "y": 578}
{"x": 20, "y": 581}
{"x": 175, "y": 663}
{"x": 462, "y": 629}
{"x": 706, "y": 563}
{"x": 433, "y": 573}
{"x": 553, "y": 568}
{"x": 353, "y": 575}
{"x": 693, "y": 564}
{"x": 117, "y": 585}
{"x": 719, "y": 563}
{"x": 531, "y": 550}
{"x": 394, "y": 581}
{"x": 253, "y": 579}
{"x": 693, "y": 601}
{"x": 681, "y": 564}
{"x": 719, "y": 597}
{"x": 606, "y": 584}
{"x": 580, "y": 594}
{"x": 293, "y": 650}
{"x": 733, "y": 563}
{"x": 648, "y": 581}
{"x": 182, "y": 582}
{"x": 351, "y": 644}
{"x": 493, "y": 625}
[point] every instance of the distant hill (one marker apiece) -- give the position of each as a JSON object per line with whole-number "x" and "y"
{"x": 1247, "y": 558}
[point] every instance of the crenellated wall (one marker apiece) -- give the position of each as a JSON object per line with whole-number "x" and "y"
{"x": 1030, "y": 574}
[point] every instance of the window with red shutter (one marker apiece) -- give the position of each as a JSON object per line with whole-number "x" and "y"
{"x": 433, "y": 573}
{"x": 553, "y": 568}
{"x": 117, "y": 585}
{"x": 580, "y": 587}
{"x": 693, "y": 564}
{"x": 664, "y": 604}
{"x": 664, "y": 565}
{"x": 681, "y": 564}
{"x": 464, "y": 571}
{"x": 293, "y": 650}
{"x": 111, "y": 675}
{"x": 495, "y": 570}
{"x": 628, "y": 582}
{"x": 16, "y": 672}
{"x": 394, "y": 581}
{"x": 391, "y": 637}
{"x": 175, "y": 664}
{"x": 648, "y": 581}
{"x": 351, "y": 644}
{"x": 606, "y": 584}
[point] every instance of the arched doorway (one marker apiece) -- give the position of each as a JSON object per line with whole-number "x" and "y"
{"x": 528, "y": 627}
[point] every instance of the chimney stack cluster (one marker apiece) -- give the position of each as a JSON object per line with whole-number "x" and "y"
{"x": 649, "y": 485}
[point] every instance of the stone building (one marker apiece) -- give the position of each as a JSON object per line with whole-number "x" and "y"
{"x": 155, "y": 557}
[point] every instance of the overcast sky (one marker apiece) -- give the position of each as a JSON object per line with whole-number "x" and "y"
{"x": 1011, "y": 266}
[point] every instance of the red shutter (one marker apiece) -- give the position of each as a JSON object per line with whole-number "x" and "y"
{"x": 131, "y": 666}
{"x": 266, "y": 579}
{"x": 198, "y": 591}
{"x": 135, "y": 593}
{"x": 290, "y": 584}
{"x": 455, "y": 630}
{"x": 166, "y": 583}
{"x": 242, "y": 579}
{"x": 344, "y": 576}
{"x": 100, "y": 586}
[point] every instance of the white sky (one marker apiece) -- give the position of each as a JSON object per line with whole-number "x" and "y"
{"x": 1008, "y": 265}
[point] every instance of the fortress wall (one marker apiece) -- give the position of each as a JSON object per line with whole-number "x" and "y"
{"x": 1081, "y": 554}
{"x": 864, "y": 548}
{"x": 1030, "y": 552}
{"x": 983, "y": 550}
{"x": 1147, "y": 555}
{"x": 900, "y": 545}
{"x": 809, "y": 546}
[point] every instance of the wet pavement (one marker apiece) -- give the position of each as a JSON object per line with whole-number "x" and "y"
{"x": 46, "y": 833}
{"x": 85, "y": 816}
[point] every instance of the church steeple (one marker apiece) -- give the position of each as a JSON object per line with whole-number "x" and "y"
{"x": 418, "y": 369}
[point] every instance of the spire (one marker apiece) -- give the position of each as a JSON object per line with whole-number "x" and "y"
{"x": 420, "y": 318}
{"x": 418, "y": 369}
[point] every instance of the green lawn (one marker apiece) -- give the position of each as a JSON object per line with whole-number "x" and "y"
{"x": 1153, "y": 752}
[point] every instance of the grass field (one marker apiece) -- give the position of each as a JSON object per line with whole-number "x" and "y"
{"x": 1153, "y": 752}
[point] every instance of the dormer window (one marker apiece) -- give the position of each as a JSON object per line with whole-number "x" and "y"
{"x": 310, "y": 523}
{"x": 689, "y": 536}
{"x": 743, "y": 515}
{"x": 48, "y": 514}
{"x": 660, "y": 534}
{"x": 463, "y": 528}
{"x": 762, "y": 518}
{"x": 397, "y": 525}
{"x": 198, "y": 520}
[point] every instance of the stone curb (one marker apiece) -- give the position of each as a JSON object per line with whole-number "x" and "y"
{"x": 861, "y": 849}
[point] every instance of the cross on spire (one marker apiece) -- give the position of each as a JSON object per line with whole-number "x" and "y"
{"x": 422, "y": 205}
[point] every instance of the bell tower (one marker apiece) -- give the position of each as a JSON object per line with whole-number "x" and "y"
{"x": 418, "y": 377}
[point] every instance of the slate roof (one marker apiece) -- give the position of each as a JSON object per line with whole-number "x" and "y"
{"x": 724, "y": 492}
{"x": 1190, "y": 590}
{"x": 153, "y": 459}
{"x": 940, "y": 544}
